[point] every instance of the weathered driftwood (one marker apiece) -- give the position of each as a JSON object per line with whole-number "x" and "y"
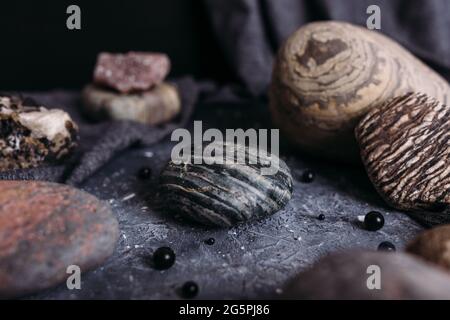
{"x": 329, "y": 74}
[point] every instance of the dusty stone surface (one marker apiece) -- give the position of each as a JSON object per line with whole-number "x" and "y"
{"x": 404, "y": 147}
{"x": 252, "y": 260}
{"x": 46, "y": 227}
{"x": 225, "y": 194}
{"x": 345, "y": 276}
{"x": 130, "y": 72}
{"x": 433, "y": 245}
{"x": 155, "y": 106}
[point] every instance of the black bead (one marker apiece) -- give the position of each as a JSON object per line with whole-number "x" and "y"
{"x": 163, "y": 258}
{"x": 189, "y": 290}
{"x": 373, "y": 221}
{"x": 321, "y": 217}
{"x": 386, "y": 246}
{"x": 210, "y": 241}
{"x": 145, "y": 173}
{"x": 307, "y": 176}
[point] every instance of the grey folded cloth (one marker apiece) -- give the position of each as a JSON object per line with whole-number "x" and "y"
{"x": 100, "y": 142}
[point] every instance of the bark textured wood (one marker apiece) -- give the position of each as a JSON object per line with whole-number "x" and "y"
{"x": 405, "y": 148}
{"x": 46, "y": 227}
{"x": 327, "y": 75}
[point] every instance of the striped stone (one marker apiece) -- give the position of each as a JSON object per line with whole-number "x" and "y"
{"x": 405, "y": 148}
{"x": 225, "y": 194}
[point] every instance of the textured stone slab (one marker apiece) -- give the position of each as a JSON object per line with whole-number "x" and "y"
{"x": 46, "y": 227}
{"x": 133, "y": 71}
{"x": 345, "y": 276}
{"x": 31, "y": 135}
{"x": 406, "y": 150}
{"x": 155, "y": 106}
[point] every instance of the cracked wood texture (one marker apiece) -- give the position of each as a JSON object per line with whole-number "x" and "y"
{"x": 405, "y": 149}
{"x": 328, "y": 75}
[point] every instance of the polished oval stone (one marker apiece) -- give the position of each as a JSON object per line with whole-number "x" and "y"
{"x": 433, "y": 245}
{"x": 228, "y": 193}
{"x": 352, "y": 275}
{"x": 404, "y": 147}
{"x": 46, "y": 227}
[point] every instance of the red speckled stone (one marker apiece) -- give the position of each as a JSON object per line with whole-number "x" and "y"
{"x": 131, "y": 72}
{"x": 44, "y": 228}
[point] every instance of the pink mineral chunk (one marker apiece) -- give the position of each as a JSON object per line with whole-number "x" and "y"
{"x": 131, "y": 72}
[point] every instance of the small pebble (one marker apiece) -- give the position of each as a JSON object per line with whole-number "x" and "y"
{"x": 321, "y": 217}
{"x": 307, "y": 176}
{"x": 189, "y": 290}
{"x": 386, "y": 246}
{"x": 210, "y": 241}
{"x": 145, "y": 173}
{"x": 373, "y": 221}
{"x": 163, "y": 258}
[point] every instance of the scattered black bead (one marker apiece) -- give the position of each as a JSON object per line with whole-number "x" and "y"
{"x": 210, "y": 241}
{"x": 373, "y": 221}
{"x": 386, "y": 246}
{"x": 163, "y": 258}
{"x": 189, "y": 290}
{"x": 307, "y": 176}
{"x": 145, "y": 173}
{"x": 321, "y": 217}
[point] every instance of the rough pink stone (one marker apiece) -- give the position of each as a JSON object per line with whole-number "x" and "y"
{"x": 131, "y": 72}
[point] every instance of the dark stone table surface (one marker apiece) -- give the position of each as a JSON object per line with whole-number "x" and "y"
{"x": 250, "y": 261}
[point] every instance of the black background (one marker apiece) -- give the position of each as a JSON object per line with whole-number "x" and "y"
{"x": 39, "y": 52}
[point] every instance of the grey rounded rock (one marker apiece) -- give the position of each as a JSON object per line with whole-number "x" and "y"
{"x": 433, "y": 245}
{"x": 228, "y": 193}
{"x": 347, "y": 276}
{"x": 157, "y": 105}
